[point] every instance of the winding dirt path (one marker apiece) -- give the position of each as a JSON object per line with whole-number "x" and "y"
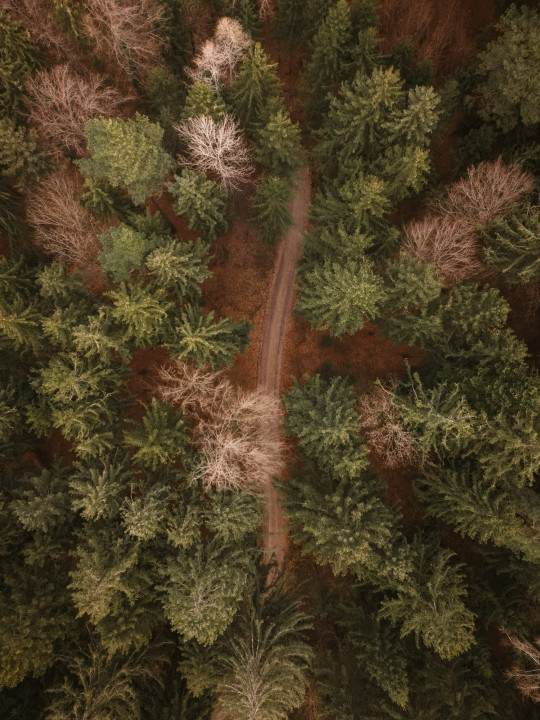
{"x": 277, "y": 314}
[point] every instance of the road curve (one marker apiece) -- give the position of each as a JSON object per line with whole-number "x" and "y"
{"x": 277, "y": 314}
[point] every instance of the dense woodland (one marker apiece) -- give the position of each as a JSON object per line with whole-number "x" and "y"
{"x": 133, "y": 584}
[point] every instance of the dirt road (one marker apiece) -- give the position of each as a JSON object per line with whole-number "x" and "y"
{"x": 278, "y": 310}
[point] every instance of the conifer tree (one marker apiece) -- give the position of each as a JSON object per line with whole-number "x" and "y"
{"x": 180, "y": 267}
{"x": 202, "y": 201}
{"x": 271, "y": 208}
{"x": 124, "y": 250}
{"x": 98, "y": 486}
{"x": 510, "y": 89}
{"x": 199, "y": 338}
{"x": 202, "y": 99}
{"x": 345, "y": 524}
{"x": 128, "y": 154}
{"x": 203, "y": 589}
{"x": 331, "y": 47}
{"x": 512, "y": 247}
{"x": 461, "y": 496}
{"x": 277, "y": 144}
{"x": 266, "y": 661}
{"x": 338, "y": 298}
{"x": 429, "y": 602}
{"x": 142, "y": 312}
{"x": 20, "y": 157}
{"x": 19, "y": 56}
{"x": 159, "y": 437}
{"x": 322, "y": 414}
{"x": 255, "y": 87}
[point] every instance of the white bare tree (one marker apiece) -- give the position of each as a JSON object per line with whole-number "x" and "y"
{"x": 125, "y": 32}
{"x": 61, "y": 103}
{"x": 448, "y": 242}
{"x": 266, "y": 9}
{"x": 217, "y": 148}
{"x": 218, "y": 57}
{"x": 236, "y": 431}
{"x": 526, "y": 674}
{"x": 383, "y": 428}
{"x": 489, "y": 189}
{"x": 63, "y": 227}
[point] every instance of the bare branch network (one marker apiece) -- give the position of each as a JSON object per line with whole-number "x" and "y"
{"x": 126, "y": 32}
{"x": 62, "y": 102}
{"x": 63, "y": 227}
{"x": 237, "y": 432}
{"x": 526, "y": 675}
{"x": 215, "y": 63}
{"x": 447, "y": 237}
{"x": 217, "y": 148}
{"x": 383, "y": 428}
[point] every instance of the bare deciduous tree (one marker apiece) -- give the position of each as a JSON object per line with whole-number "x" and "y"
{"x": 215, "y": 63}
{"x": 61, "y": 103}
{"x": 62, "y": 226}
{"x": 266, "y": 9}
{"x": 217, "y": 148}
{"x": 490, "y": 189}
{"x": 237, "y": 432}
{"x": 35, "y": 16}
{"x": 526, "y": 675}
{"x": 446, "y": 241}
{"x": 126, "y": 32}
{"x": 383, "y": 429}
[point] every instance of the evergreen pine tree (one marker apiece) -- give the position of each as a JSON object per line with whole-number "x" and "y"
{"x": 429, "y": 602}
{"x": 141, "y": 311}
{"x": 255, "y": 87}
{"x": 159, "y": 437}
{"x": 202, "y": 201}
{"x": 338, "y": 298}
{"x": 199, "y": 338}
{"x": 20, "y": 157}
{"x": 180, "y": 267}
{"x": 271, "y": 208}
{"x": 277, "y": 144}
{"x": 202, "y": 99}
{"x": 331, "y": 48}
{"x": 128, "y": 154}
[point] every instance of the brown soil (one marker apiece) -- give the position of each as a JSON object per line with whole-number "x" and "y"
{"x": 445, "y": 32}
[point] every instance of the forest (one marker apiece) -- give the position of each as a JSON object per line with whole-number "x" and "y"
{"x": 151, "y": 155}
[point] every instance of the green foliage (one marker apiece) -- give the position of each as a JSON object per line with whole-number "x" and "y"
{"x": 271, "y": 208}
{"x": 104, "y": 200}
{"x": 199, "y": 338}
{"x": 232, "y": 516}
{"x": 165, "y": 95}
{"x": 143, "y": 515}
{"x": 464, "y": 498}
{"x": 124, "y": 250}
{"x": 98, "y": 485}
{"x": 429, "y": 602}
{"x": 43, "y": 503}
{"x": 378, "y": 648}
{"x": 112, "y": 585}
{"x": 128, "y": 154}
{"x": 338, "y": 297}
{"x": 510, "y": 92}
{"x": 18, "y": 58}
{"x": 202, "y": 201}
{"x": 512, "y": 247}
{"x": 267, "y": 659}
{"x": 322, "y": 414}
{"x": 180, "y": 267}
{"x": 277, "y": 144}
{"x": 159, "y": 437}
{"x": 142, "y": 312}
{"x": 202, "y": 99}
{"x": 331, "y": 47}
{"x": 20, "y": 157}
{"x": 255, "y": 88}
{"x": 344, "y": 523}
{"x": 76, "y": 394}
{"x": 203, "y": 590}
{"x": 102, "y": 686}
{"x": 11, "y": 209}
